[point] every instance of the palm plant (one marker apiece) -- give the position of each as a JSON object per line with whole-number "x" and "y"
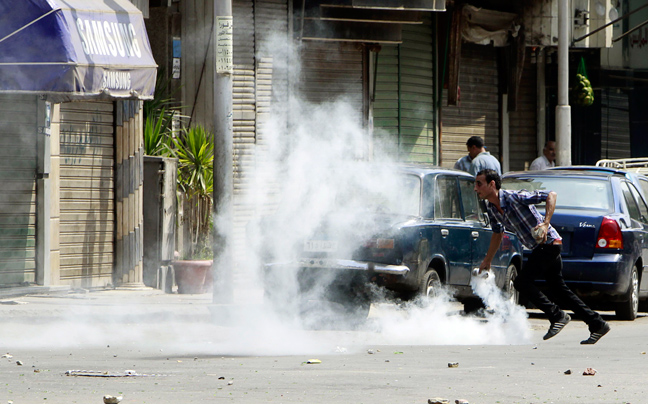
{"x": 159, "y": 114}
{"x": 194, "y": 148}
{"x": 158, "y": 132}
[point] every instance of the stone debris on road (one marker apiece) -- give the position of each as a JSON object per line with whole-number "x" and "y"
{"x": 438, "y": 400}
{"x": 100, "y": 373}
{"x": 313, "y": 362}
{"x": 568, "y": 372}
{"x": 19, "y": 363}
{"x": 589, "y": 372}
{"x": 7, "y": 356}
{"x": 453, "y": 364}
{"x": 108, "y": 399}
{"x": 460, "y": 401}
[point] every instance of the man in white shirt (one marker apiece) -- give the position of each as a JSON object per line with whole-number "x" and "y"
{"x": 548, "y": 158}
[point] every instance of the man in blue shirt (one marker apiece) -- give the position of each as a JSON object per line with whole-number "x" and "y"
{"x": 478, "y": 158}
{"x": 515, "y": 211}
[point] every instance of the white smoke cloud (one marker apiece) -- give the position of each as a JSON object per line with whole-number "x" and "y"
{"x": 311, "y": 170}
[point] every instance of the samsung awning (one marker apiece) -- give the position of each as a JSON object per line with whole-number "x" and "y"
{"x": 75, "y": 49}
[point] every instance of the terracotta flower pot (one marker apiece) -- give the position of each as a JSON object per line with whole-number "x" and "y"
{"x": 193, "y": 276}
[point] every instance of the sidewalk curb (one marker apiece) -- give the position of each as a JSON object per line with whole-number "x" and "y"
{"x": 33, "y": 290}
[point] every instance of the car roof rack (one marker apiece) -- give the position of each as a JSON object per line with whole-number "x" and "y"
{"x": 637, "y": 164}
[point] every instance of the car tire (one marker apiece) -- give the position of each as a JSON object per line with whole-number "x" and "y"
{"x": 509, "y": 288}
{"x": 628, "y": 309}
{"x": 429, "y": 286}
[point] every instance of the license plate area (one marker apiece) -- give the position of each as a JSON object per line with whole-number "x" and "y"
{"x": 322, "y": 246}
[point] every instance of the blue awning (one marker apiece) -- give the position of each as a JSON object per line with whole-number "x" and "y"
{"x": 75, "y": 49}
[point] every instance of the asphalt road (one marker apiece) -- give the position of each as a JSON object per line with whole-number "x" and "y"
{"x": 153, "y": 348}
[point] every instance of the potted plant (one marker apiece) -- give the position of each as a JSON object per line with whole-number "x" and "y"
{"x": 194, "y": 148}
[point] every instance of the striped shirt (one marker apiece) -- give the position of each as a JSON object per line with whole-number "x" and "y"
{"x": 520, "y": 215}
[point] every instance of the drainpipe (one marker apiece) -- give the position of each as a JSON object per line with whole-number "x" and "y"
{"x": 223, "y": 151}
{"x": 563, "y": 110}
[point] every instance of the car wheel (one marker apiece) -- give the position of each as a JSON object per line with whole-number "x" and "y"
{"x": 627, "y": 310}
{"x": 509, "y": 288}
{"x": 429, "y": 287}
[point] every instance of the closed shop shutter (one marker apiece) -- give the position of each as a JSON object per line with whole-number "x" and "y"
{"x": 87, "y": 225}
{"x": 244, "y": 98}
{"x": 330, "y": 71}
{"x": 615, "y": 124}
{"x": 406, "y": 73}
{"x": 477, "y": 112}
{"x": 258, "y": 85}
{"x": 18, "y": 160}
{"x": 523, "y": 123}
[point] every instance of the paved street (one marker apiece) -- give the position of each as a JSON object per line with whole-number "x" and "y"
{"x": 151, "y": 347}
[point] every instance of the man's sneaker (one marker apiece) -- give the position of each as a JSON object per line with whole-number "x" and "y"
{"x": 595, "y": 336}
{"x": 556, "y": 327}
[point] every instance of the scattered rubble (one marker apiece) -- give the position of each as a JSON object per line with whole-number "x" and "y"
{"x": 568, "y": 372}
{"x": 589, "y": 372}
{"x": 99, "y": 373}
{"x": 313, "y": 362}
{"x": 453, "y": 364}
{"x": 460, "y": 401}
{"x": 370, "y": 351}
{"x": 6, "y": 356}
{"x": 19, "y": 363}
{"x": 438, "y": 400}
{"x": 231, "y": 382}
{"x": 108, "y": 399}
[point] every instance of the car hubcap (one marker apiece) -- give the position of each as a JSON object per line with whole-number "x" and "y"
{"x": 430, "y": 290}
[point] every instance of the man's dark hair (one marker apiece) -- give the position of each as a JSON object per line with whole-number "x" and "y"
{"x": 475, "y": 141}
{"x": 491, "y": 175}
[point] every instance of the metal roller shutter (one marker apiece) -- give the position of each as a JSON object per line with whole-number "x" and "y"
{"x": 615, "y": 124}
{"x": 522, "y": 123}
{"x": 257, "y": 86}
{"x": 477, "y": 112}
{"x": 331, "y": 70}
{"x": 87, "y": 193}
{"x": 18, "y": 151}
{"x": 404, "y": 106}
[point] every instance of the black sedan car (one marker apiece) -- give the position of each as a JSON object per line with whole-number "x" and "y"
{"x": 431, "y": 232}
{"x": 603, "y": 220}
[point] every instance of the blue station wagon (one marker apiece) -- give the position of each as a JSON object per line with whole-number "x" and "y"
{"x": 432, "y": 234}
{"x": 603, "y": 219}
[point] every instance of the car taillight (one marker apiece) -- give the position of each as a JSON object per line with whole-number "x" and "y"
{"x": 609, "y": 235}
{"x": 382, "y": 243}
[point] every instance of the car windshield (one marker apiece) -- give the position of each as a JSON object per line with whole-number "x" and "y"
{"x": 573, "y": 193}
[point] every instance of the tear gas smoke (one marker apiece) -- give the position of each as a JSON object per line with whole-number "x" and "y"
{"x": 317, "y": 171}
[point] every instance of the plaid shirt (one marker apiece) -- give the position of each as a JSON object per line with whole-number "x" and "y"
{"x": 520, "y": 215}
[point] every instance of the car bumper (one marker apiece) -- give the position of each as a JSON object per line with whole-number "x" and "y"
{"x": 603, "y": 274}
{"x": 341, "y": 264}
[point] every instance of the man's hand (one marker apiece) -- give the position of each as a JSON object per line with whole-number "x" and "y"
{"x": 540, "y": 232}
{"x": 485, "y": 266}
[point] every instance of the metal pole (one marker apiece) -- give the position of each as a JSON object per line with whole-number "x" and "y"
{"x": 223, "y": 150}
{"x": 563, "y": 110}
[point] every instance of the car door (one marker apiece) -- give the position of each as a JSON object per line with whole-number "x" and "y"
{"x": 639, "y": 214}
{"x": 479, "y": 232}
{"x": 455, "y": 239}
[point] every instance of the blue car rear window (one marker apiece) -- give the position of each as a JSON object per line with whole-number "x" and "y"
{"x": 573, "y": 193}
